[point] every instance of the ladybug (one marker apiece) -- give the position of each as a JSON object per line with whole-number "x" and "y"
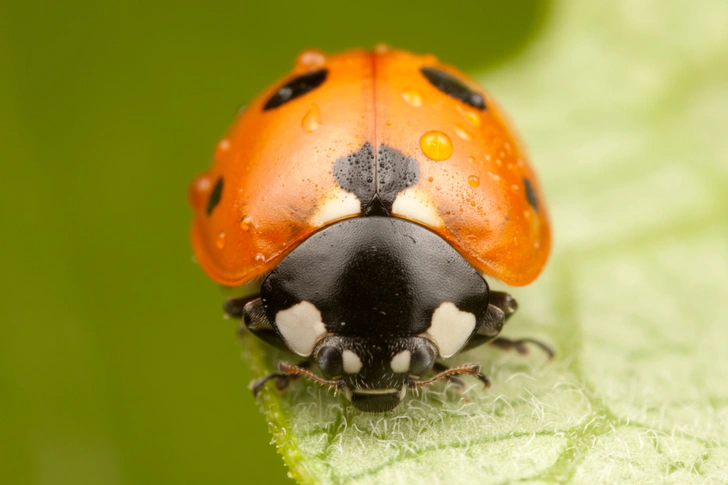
{"x": 366, "y": 197}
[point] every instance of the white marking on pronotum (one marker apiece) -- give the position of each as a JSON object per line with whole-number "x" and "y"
{"x": 352, "y": 362}
{"x": 301, "y": 326}
{"x": 401, "y": 362}
{"x": 338, "y": 204}
{"x": 417, "y": 205}
{"x": 450, "y": 329}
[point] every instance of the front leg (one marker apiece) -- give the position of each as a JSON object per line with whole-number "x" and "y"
{"x": 450, "y": 374}
{"x": 282, "y": 380}
{"x": 255, "y": 319}
{"x": 250, "y": 310}
{"x": 520, "y": 345}
{"x": 459, "y": 384}
{"x": 505, "y": 302}
{"x": 508, "y": 305}
{"x": 235, "y": 307}
{"x": 500, "y": 308}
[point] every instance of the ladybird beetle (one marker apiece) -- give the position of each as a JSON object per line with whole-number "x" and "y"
{"x": 365, "y": 196}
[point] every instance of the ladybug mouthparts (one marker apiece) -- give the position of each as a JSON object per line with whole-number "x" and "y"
{"x": 377, "y": 401}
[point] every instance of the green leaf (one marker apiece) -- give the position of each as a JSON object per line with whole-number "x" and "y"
{"x": 624, "y": 105}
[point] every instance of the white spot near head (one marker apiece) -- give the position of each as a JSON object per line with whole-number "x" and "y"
{"x": 401, "y": 362}
{"x": 336, "y": 205}
{"x": 450, "y": 329}
{"x": 301, "y": 327}
{"x": 417, "y": 205}
{"x": 352, "y": 362}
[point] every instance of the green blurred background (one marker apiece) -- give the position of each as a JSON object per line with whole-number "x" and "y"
{"x": 115, "y": 363}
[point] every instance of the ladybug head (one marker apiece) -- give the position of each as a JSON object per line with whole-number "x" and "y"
{"x": 374, "y": 301}
{"x": 376, "y": 375}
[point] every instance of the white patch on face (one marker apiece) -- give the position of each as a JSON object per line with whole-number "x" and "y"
{"x": 337, "y": 205}
{"x": 401, "y": 362}
{"x": 417, "y": 205}
{"x": 352, "y": 362}
{"x": 450, "y": 329}
{"x": 301, "y": 327}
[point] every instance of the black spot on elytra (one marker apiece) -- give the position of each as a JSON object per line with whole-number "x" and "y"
{"x": 296, "y": 87}
{"x": 396, "y": 172}
{"x": 453, "y": 87}
{"x": 214, "y": 196}
{"x": 530, "y": 194}
{"x": 376, "y": 181}
{"x": 355, "y": 173}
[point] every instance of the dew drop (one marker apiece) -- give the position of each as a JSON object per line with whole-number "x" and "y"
{"x": 199, "y": 190}
{"x": 220, "y": 242}
{"x": 473, "y": 181}
{"x": 460, "y": 131}
{"x": 202, "y": 183}
{"x": 412, "y": 98}
{"x": 471, "y": 238}
{"x": 223, "y": 146}
{"x": 245, "y": 223}
{"x": 389, "y": 123}
{"x": 312, "y": 119}
{"x": 436, "y": 145}
{"x": 471, "y": 159}
{"x": 260, "y": 257}
{"x": 470, "y": 116}
{"x": 310, "y": 59}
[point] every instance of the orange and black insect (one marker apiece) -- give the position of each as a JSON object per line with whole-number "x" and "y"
{"x": 371, "y": 194}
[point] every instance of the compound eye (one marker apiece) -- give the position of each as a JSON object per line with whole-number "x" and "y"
{"x": 330, "y": 362}
{"x": 423, "y": 358}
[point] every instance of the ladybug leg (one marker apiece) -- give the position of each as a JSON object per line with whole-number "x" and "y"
{"x": 288, "y": 372}
{"x": 505, "y": 302}
{"x": 495, "y": 317}
{"x": 449, "y": 373}
{"x": 520, "y": 345}
{"x": 282, "y": 380}
{"x": 234, "y": 307}
{"x": 508, "y": 305}
{"x": 254, "y": 319}
{"x": 458, "y": 383}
